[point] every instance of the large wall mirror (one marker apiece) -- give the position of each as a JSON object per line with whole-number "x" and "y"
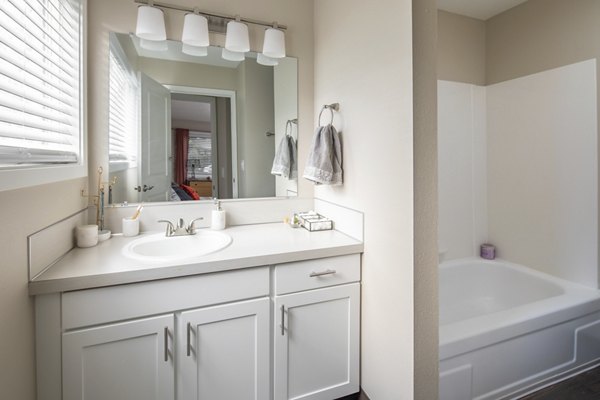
{"x": 188, "y": 127}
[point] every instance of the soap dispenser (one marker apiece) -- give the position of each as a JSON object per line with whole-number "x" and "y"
{"x": 218, "y": 221}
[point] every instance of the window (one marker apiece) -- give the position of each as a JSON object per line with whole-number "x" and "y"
{"x": 123, "y": 115}
{"x": 199, "y": 163}
{"x": 41, "y": 98}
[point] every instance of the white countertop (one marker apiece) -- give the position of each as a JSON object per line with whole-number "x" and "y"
{"x": 252, "y": 246}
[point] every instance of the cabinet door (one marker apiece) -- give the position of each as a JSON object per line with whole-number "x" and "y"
{"x": 317, "y": 343}
{"x": 125, "y": 361}
{"x": 223, "y": 352}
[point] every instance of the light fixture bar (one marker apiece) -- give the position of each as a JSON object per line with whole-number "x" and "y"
{"x": 211, "y": 14}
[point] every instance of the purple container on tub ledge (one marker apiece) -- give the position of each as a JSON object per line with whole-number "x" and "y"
{"x": 487, "y": 251}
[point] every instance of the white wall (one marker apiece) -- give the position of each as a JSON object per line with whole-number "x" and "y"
{"x": 543, "y": 171}
{"x": 462, "y": 206}
{"x": 371, "y": 78}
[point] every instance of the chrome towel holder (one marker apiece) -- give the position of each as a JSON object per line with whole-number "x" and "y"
{"x": 331, "y": 107}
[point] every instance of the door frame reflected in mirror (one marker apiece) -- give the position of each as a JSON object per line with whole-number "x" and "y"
{"x": 231, "y": 96}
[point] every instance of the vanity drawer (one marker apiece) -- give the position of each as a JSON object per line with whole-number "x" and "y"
{"x": 313, "y": 274}
{"x": 98, "y": 306}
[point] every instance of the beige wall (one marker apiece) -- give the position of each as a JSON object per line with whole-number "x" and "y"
{"x": 375, "y": 95}
{"x": 461, "y": 48}
{"x": 120, "y": 16}
{"x": 426, "y": 198}
{"x": 23, "y": 212}
{"x": 539, "y": 35}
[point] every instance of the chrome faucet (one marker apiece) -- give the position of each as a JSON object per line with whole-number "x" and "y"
{"x": 180, "y": 229}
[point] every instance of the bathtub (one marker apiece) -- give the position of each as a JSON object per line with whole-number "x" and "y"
{"x": 507, "y": 330}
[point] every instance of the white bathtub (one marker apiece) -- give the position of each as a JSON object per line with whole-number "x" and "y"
{"x": 506, "y": 330}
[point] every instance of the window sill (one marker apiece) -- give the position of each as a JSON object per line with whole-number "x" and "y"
{"x": 18, "y": 178}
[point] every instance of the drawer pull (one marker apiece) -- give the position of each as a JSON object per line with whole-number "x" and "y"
{"x": 189, "y": 341}
{"x": 326, "y": 272}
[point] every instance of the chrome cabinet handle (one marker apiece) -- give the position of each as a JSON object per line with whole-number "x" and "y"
{"x": 166, "y": 343}
{"x": 326, "y": 272}
{"x": 189, "y": 341}
{"x": 282, "y": 320}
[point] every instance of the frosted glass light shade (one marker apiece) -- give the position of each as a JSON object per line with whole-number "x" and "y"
{"x": 194, "y": 50}
{"x": 264, "y": 60}
{"x": 195, "y": 30}
{"x": 237, "y": 38}
{"x": 150, "y": 24}
{"x": 233, "y": 55}
{"x": 154, "y": 45}
{"x": 274, "y": 44}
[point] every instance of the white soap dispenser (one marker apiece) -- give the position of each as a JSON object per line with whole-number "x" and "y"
{"x": 218, "y": 220}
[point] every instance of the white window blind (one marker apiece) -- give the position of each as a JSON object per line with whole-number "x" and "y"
{"x": 40, "y": 82}
{"x": 123, "y": 115}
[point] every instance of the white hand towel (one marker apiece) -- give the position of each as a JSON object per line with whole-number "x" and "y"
{"x": 324, "y": 164}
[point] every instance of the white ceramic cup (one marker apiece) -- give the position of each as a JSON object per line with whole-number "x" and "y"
{"x": 87, "y": 235}
{"x": 131, "y": 227}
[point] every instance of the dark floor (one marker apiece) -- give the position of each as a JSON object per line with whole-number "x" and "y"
{"x": 356, "y": 396}
{"x": 585, "y": 386}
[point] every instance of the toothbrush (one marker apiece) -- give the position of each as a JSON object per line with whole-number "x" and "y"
{"x": 137, "y": 212}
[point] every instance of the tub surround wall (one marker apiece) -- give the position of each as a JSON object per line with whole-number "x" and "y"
{"x": 462, "y": 169}
{"x": 543, "y": 171}
{"x": 518, "y": 168}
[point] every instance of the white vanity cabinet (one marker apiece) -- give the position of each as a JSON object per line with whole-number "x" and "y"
{"x": 224, "y": 352}
{"x": 289, "y": 331}
{"x": 131, "y": 342}
{"x": 316, "y": 335}
{"x": 125, "y": 361}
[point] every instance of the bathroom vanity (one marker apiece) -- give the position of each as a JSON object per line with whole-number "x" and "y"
{"x": 275, "y": 315}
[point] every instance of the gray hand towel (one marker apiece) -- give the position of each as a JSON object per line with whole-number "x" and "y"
{"x": 284, "y": 163}
{"x": 324, "y": 164}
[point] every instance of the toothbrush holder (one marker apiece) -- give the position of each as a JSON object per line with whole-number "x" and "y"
{"x": 131, "y": 227}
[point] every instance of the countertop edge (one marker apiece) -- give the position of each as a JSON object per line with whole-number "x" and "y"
{"x": 120, "y": 278}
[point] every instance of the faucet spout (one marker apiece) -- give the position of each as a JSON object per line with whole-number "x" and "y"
{"x": 180, "y": 229}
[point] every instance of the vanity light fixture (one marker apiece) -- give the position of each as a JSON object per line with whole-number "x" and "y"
{"x": 195, "y": 30}
{"x": 264, "y": 60}
{"x": 237, "y": 38}
{"x": 150, "y": 23}
{"x": 197, "y": 24}
{"x": 274, "y": 43}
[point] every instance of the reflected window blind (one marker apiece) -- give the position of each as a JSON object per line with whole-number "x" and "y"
{"x": 40, "y": 82}
{"x": 123, "y": 115}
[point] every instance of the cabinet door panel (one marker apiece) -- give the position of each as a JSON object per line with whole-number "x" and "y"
{"x": 316, "y": 354}
{"x": 228, "y": 354}
{"x": 124, "y": 361}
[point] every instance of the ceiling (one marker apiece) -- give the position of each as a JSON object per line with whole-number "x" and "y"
{"x": 480, "y": 9}
{"x": 190, "y": 110}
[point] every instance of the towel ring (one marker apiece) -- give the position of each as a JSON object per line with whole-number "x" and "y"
{"x": 288, "y": 125}
{"x": 331, "y": 108}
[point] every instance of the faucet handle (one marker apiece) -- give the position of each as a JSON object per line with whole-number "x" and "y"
{"x": 170, "y": 227}
{"x": 191, "y": 228}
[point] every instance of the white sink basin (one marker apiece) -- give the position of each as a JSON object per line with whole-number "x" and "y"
{"x": 158, "y": 247}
